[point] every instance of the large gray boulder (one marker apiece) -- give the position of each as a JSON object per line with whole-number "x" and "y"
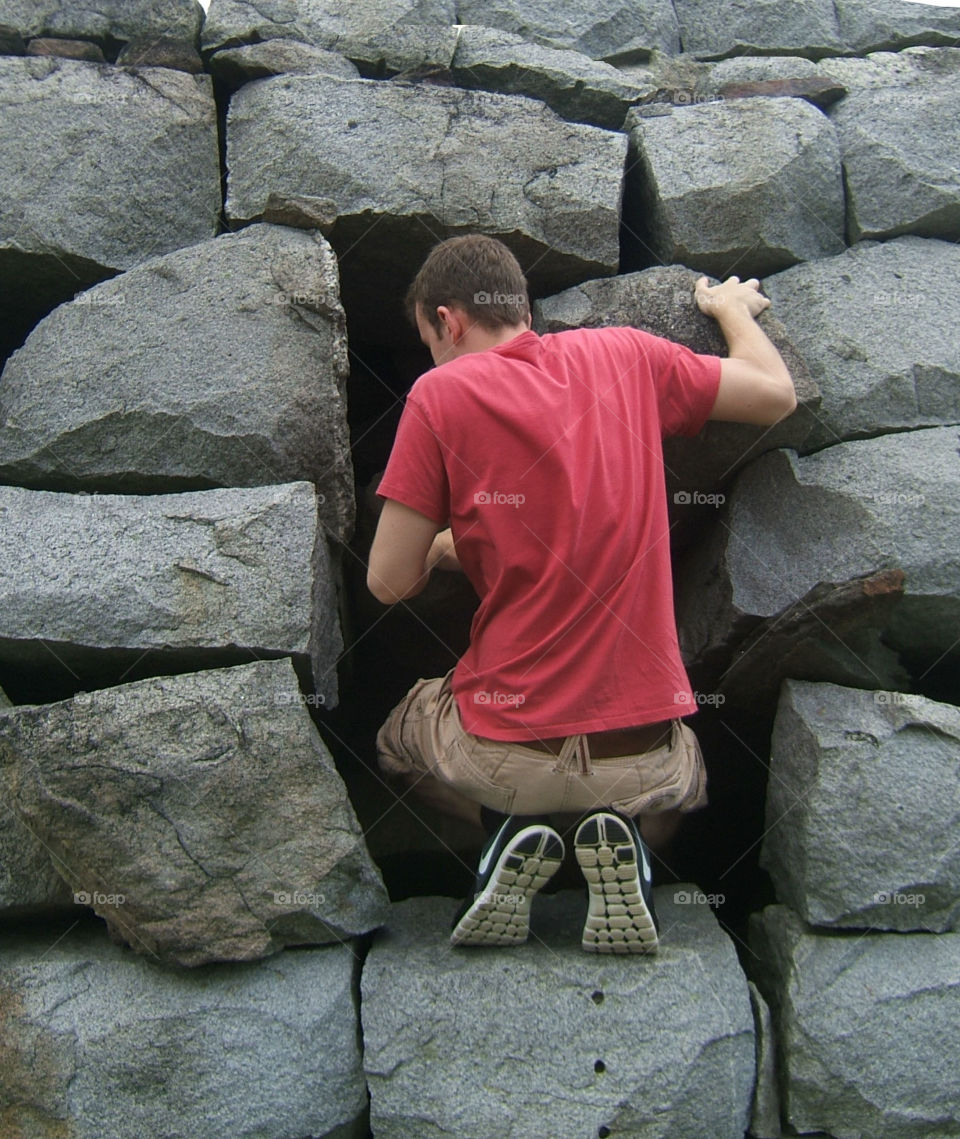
{"x": 200, "y": 816}
{"x": 400, "y": 163}
{"x": 881, "y": 69}
{"x": 614, "y": 30}
{"x": 106, "y": 21}
{"x": 794, "y": 523}
{"x": 575, "y": 86}
{"x": 712, "y": 29}
{"x": 491, "y": 1044}
{"x": 230, "y": 23}
{"x": 898, "y": 146}
{"x": 877, "y": 327}
{"x": 98, "y": 585}
{"x": 866, "y": 1028}
{"x": 100, "y": 1044}
{"x": 862, "y": 808}
{"x": 876, "y": 25}
{"x": 748, "y": 186}
{"x": 223, "y": 364}
{"x": 234, "y": 66}
{"x": 66, "y": 220}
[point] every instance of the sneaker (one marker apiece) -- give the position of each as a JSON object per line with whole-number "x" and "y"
{"x": 616, "y": 864}
{"x": 522, "y": 854}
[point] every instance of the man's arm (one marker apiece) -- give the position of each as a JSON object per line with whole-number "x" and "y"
{"x": 406, "y": 548}
{"x": 755, "y": 383}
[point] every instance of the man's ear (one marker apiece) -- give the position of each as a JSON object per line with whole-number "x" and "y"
{"x": 455, "y": 320}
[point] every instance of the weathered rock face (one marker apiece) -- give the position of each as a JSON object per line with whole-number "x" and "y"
{"x": 167, "y": 582}
{"x": 67, "y": 221}
{"x": 572, "y": 84}
{"x": 107, "y": 21}
{"x": 897, "y": 145}
{"x": 866, "y": 1027}
{"x": 661, "y": 300}
{"x": 849, "y": 510}
{"x": 711, "y": 29}
{"x": 610, "y": 29}
{"x": 233, "y": 22}
{"x": 238, "y": 65}
{"x": 588, "y": 1051}
{"x": 891, "y": 68}
{"x": 877, "y": 326}
{"x": 223, "y": 364}
{"x": 399, "y": 161}
{"x": 862, "y": 810}
{"x": 200, "y": 815}
{"x": 99, "y": 1044}
{"x": 747, "y": 186}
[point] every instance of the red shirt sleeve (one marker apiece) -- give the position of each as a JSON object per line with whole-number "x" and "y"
{"x": 686, "y": 382}
{"x": 416, "y": 474}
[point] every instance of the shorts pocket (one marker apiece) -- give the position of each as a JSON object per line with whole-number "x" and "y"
{"x": 466, "y": 766}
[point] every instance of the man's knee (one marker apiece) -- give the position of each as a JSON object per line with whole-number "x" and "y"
{"x": 658, "y": 829}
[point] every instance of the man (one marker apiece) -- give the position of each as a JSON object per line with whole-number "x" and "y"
{"x": 534, "y": 465}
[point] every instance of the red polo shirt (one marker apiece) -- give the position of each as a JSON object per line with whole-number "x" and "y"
{"x": 544, "y": 455}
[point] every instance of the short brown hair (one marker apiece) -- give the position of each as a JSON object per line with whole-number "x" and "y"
{"x": 476, "y": 272}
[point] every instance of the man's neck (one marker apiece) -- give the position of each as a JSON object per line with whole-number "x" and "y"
{"x": 479, "y": 338}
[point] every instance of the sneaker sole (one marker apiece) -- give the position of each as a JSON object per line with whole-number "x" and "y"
{"x": 618, "y": 920}
{"x": 501, "y": 914}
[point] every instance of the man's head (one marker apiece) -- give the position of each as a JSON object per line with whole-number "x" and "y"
{"x": 468, "y": 287}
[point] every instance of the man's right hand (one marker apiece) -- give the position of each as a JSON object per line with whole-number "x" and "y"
{"x": 716, "y": 300}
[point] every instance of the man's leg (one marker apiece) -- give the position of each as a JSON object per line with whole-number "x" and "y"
{"x": 660, "y": 829}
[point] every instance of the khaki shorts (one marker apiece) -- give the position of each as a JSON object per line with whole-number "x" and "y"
{"x": 423, "y": 742}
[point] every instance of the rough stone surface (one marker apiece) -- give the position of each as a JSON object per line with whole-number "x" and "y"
{"x": 230, "y": 23}
{"x": 99, "y": 1044}
{"x": 160, "y": 52}
{"x": 238, "y": 65}
{"x": 866, "y": 1026}
{"x": 765, "y": 1113}
{"x": 67, "y": 49}
{"x": 661, "y": 301}
{"x": 747, "y": 186}
{"x": 711, "y": 29}
{"x": 399, "y": 160}
{"x": 898, "y": 147}
{"x": 862, "y": 811}
{"x": 573, "y": 85}
{"x": 223, "y": 364}
{"x": 200, "y": 815}
{"x": 791, "y": 523}
{"x": 66, "y": 220}
{"x": 584, "y": 1045}
{"x": 28, "y": 880}
{"x": 107, "y": 20}
{"x": 877, "y": 327}
{"x": 874, "y": 25}
{"x": 892, "y": 68}
{"x": 167, "y": 582}
{"x": 614, "y": 30}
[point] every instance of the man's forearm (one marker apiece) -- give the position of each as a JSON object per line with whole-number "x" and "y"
{"x": 746, "y": 340}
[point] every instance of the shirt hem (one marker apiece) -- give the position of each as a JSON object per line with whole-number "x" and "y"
{"x": 634, "y": 719}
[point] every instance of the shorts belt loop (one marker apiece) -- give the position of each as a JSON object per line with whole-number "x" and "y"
{"x": 583, "y": 751}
